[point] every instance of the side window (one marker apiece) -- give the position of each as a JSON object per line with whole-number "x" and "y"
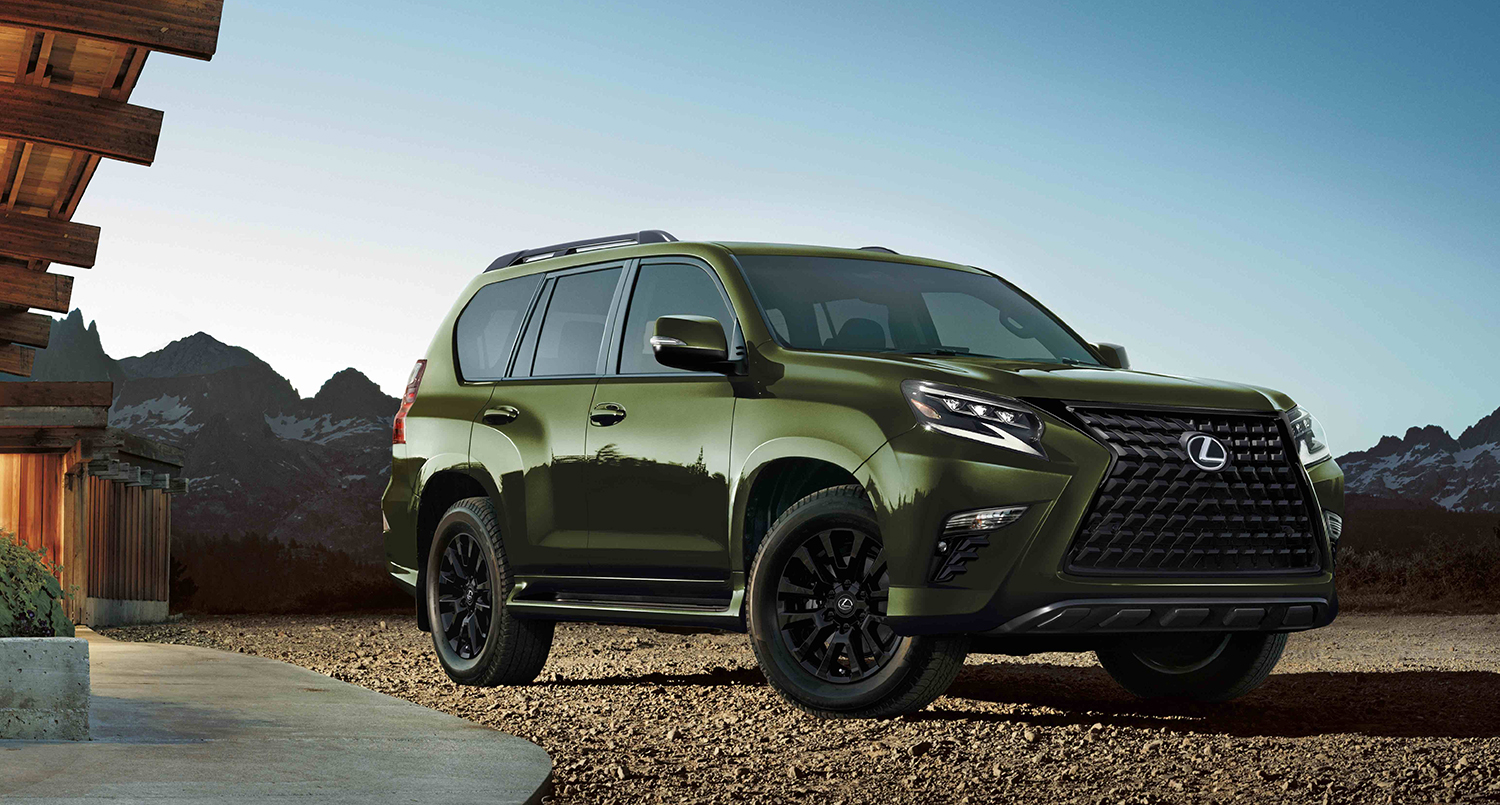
{"x": 568, "y": 343}
{"x": 667, "y": 289}
{"x": 486, "y": 330}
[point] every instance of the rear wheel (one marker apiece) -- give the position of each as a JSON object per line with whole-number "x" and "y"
{"x": 1202, "y": 666}
{"x": 478, "y": 641}
{"x": 818, "y": 593}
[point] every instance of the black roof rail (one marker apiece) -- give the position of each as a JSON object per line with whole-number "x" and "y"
{"x": 573, "y": 247}
{"x": 878, "y": 249}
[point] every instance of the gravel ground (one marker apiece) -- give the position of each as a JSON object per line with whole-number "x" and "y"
{"x": 1374, "y": 709}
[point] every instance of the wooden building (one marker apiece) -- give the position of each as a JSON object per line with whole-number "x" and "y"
{"x": 97, "y": 499}
{"x": 67, "y": 69}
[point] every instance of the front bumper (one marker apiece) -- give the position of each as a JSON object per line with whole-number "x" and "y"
{"x": 1018, "y": 584}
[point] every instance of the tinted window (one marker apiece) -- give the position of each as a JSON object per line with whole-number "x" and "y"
{"x": 574, "y": 325}
{"x": 852, "y": 305}
{"x": 667, "y": 290}
{"x": 486, "y": 331}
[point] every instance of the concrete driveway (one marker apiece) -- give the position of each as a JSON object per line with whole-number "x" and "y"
{"x": 183, "y": 724}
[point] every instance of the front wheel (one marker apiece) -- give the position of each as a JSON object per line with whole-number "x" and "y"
{"x": 818, "y": 592}
{"x": 478, "y": 641}
{"x": 1205, "y": 667}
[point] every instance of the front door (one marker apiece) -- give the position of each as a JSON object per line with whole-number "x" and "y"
{"x": 658, "y": 442}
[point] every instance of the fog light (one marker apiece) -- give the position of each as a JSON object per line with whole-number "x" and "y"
{"x": 963, "y": 537}
{"x": 984, "y": 519}
{"x": 1335, "y": 526}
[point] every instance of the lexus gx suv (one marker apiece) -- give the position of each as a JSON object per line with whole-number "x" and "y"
{"x": 873, "y": 464}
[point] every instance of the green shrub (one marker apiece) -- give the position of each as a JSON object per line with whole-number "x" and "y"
{"x": 31, "y": 600}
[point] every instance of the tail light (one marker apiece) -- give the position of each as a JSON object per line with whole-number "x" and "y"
{"x": 398, "y": 427}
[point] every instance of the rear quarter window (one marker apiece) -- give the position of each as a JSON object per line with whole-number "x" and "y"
{"x": 487, "y": 327}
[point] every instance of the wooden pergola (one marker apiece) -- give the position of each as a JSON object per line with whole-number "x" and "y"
{"x": 67, "y": 68}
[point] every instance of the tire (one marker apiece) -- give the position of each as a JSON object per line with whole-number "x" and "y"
{"x": 864, "y": 669}
{"x": 499, "y": 649}
{"x": 1204, "y": 667}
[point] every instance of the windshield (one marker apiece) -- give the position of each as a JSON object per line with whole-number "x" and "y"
{"x": 851, "y": 305}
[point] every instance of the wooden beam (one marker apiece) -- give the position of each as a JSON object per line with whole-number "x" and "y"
{"x": 16, "y": 359}
{"x": 71, "y": 205}
{"x": 38, "y": 238}
{"x": 21, "y": 157}
{"x": 40, "y": 440}
{"x": 53, "y": 416}
{"x": 21, "y": 327}
{"x": 97, "y": 393}
{"x": 184, "y": 27}
{"x": 96, "y": 125}
{"x": 21, "y": 287}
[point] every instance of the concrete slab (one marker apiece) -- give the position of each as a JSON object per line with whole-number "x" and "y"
{"x": 182, "y": 724}
{"x": 44, "y": 688}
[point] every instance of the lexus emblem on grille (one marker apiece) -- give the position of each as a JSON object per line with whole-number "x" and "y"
{"x": 1206, "y": 452}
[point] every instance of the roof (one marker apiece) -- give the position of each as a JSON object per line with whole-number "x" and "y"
{"x": 67, "y": 70}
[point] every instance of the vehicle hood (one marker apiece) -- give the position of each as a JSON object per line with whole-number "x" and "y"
{"x": 1094, "y": 384}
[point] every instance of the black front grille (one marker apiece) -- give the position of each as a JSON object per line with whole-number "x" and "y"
{"x": 1156, "y": 512}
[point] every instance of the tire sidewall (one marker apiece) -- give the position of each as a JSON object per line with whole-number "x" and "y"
{"x": 1220, "y": 679}
{"x": 776, "y": 659}
{"x": 460, "y": 520}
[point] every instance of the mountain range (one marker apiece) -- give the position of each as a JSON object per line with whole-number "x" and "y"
{"x": 1428, "y": 466}
{"x": 260, "y": 456}
{"x": 266, "y": 460}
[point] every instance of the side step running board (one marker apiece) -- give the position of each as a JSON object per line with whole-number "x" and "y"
{"x": 729, "y": 618}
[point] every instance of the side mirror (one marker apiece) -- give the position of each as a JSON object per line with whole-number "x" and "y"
{"x": 1113, "y": 355}
{"x": 689, "y": 342}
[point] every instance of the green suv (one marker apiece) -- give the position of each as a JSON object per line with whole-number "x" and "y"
{"x": 874, "y": 464}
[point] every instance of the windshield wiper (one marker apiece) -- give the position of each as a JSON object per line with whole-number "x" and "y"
{"x": 959, "y": 351}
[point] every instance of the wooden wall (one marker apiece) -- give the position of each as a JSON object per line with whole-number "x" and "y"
{"x": 128, "y": 530}
{"x": 31, "y": 491}
{"x": 112, "y": 540}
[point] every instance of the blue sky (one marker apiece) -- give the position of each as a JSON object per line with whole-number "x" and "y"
{"x": 1301, "y": 196}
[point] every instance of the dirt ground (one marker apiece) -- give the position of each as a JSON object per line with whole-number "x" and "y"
{"x": 1374, "y": 709}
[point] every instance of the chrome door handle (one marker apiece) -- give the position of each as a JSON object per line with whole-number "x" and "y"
{"x": 502, "y": 415}
{"x": 606, "y": 414}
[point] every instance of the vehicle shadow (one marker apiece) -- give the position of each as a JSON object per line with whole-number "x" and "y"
{"x": 1406, "y": 704}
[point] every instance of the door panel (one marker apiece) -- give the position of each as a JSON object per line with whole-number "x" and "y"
{"x": 537, "y": 458}
{"x": 530, "y": 435}
{"x": 658, "y": 438}
{"x": 658, "y": 498}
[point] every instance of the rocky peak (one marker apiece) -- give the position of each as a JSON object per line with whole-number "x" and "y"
{"x": 198, "y": 354}
{"x": 349, "y": 393}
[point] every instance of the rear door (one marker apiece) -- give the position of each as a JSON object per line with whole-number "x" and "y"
{"x": 531, "y": 435}
{"x": 659, "y": 439}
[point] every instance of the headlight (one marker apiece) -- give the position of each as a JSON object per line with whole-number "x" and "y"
{"x": 1308, "y": 436}
{"x": 956, "y": 411}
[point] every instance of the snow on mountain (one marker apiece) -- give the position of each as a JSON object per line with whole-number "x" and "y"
{"x": 1428, "y": 465}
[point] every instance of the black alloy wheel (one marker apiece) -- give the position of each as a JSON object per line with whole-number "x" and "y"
{"x": 464, "y": 582}
{"x": 831, "y": 603}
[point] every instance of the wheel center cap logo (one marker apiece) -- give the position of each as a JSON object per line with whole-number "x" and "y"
{"x": 1206, "y": 452}
{"x": 845, "y": 604}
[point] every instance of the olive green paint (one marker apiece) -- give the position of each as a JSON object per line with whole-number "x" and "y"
{"x": 652, "y": 508}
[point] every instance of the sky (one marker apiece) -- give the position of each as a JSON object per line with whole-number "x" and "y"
{"x": 1301, "y": 196}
